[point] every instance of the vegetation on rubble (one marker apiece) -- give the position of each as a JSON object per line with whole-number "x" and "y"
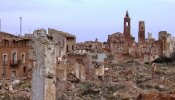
{"x": 165, "y": 59}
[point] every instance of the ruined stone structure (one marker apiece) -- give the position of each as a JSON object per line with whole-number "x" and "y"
{"x": 66, "y": 42}
{"x": 91, "y": 46}
{"x": 173, "y": 41}
{"x": 120, "y": 43}
{"x": 163, "y": 38}
{"x": 127, "y": 28}
{"x": 166, "y": 43}
{"x": 146, "y": 48}
{"x": 14, "y": 59}
{"x": 81, "y": 65}
{"x": 44, "y": 71}
{"x": 117, "y": 43}
{"x": 141, "y": 33}
{"x": 98, "y": 61}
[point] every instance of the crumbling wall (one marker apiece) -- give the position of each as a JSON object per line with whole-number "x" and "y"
{"x": 61, "y": 70}
{"x": 43, "y": 76}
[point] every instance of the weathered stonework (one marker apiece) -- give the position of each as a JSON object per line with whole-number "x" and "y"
{"x": 166, "y": 43}
{"x": 43, "y": 81}
{"x": 65, "y": 42}
{"x": 117, "y": 43}
{"x": 90, "y": 46}
{"x": 81, "y": 66}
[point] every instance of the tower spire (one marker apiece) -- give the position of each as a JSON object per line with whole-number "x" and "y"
{"x": 127, "y": 14}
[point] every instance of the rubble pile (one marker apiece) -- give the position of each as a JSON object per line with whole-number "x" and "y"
{"x": 126, "y": 81}
{"x": 122, "y": 81}
{"x": 15, "y": 90}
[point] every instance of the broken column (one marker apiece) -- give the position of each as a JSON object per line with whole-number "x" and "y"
{"x": 43, "y": 75}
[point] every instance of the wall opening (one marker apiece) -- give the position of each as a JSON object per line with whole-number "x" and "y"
{"x": 14, "y": 58}
{"x": 23, "y": 58}
{"x": 4, "y": 72}
{"x": 5, "y": 59}
{"x": 127, "y": 23}
{"x": 72, "y": 47}
{"x": 24, "y": 69}
{"x": 13, "y": 73}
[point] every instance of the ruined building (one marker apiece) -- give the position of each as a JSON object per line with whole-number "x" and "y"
{"x": 91, "y": 46}
{"x": 120, "y": 43}
{"x": 65, "y": 42}
{"x": 117, "y": 43}
{"x": 80, "y": 65}
{"x": 147, "y": 48}
{"x": 14, "y": 59}
{"x": 166, "y": 42}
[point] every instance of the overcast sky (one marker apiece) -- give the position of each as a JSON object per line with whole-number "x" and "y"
{"x": 87, "y": 19}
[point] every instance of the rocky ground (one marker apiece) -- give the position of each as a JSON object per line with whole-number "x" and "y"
{"x": 18, "y": 89}
{"x": 129, "y": 80}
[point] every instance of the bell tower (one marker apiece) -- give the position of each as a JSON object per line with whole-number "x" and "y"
{"x": 127, "y": 32}
{"x": 141, "y": 33}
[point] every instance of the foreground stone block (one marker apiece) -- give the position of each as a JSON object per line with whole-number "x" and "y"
{"x": 43, "y": 76}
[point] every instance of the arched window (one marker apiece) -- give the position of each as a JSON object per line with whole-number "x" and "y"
{"x": 14, "y": 57}
{"x": 127, "y": 23}
{"x": 5, "y": 59}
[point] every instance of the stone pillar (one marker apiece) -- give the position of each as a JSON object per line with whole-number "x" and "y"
{"x": 43, "y": 75}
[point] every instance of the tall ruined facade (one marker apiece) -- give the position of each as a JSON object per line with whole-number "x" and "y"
{"x": 127, "y": 27}
{"x": 166, "y": 43}
{"x": 141, "y": 33}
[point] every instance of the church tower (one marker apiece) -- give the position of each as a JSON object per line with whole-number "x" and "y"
{"x": 127, "y": 32}
{"x": 141, "y": 33}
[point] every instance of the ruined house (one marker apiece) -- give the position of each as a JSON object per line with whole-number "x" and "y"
{"x": 117, "y": 43}
{"x": 166, "y": 42}
{"x": 64, "y": 42}
{"x": 80, "y": 65}
{"x": 14, "y": 59}
{"x": 98, "y": 61}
